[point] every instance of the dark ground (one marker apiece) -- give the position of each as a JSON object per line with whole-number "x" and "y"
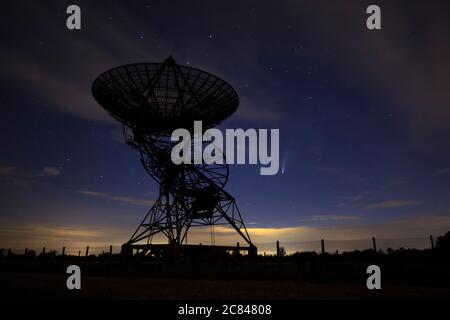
{"x": 409, "y": 274}
{"x": 47, "y": 286}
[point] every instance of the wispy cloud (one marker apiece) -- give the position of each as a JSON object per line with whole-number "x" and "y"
{"x": 407, "y": 227}
{"x": 374, "y": 200}
{"x": 7, "y": 170}
{"x": 393, "y": 204}
{"x": 51, "y": 171}
{"x": 397, "y": 183}
{"x": 66, "y": 89}
{"x": 128, "y": 200}
{"x": 56, "y": 92}
{"x": 341, "y": 174}
{"x": 441, "y": 172}
{"x": 414, "y": 85}
{"x": 414, "y": 226}
{"x": 354, "y": 198}
{"x": 254, "y": 111}
{"x": 36, "y": 236}
{"x": 330, "y": 218}
{"x": 19, "y": 178}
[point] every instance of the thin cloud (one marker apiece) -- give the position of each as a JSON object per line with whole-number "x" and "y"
{"x": 416, "y": 85}
{"x": 407, "y": 228}
{"x": 330, "y": 218}
{"x": 354, "y": 178}
{"x": 36, "y": 236}
{"x": 71, "y": 94}
{"x": 7, "y": 170}
{"x": 124, "y": 199}
{"x": 397, "y": 183}
{"x": 251, "y": 111}
{"x": 51, "y": 171}
{"x": 441, "y": 172}
{"x": 20, "y": 178}
{"x": 354, "y": 198}
{"x": 393, "y": 204}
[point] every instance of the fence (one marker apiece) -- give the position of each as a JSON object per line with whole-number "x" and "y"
{"x": 266, "y": 248}
{"x": 70, "y": 251}
{"x": 333, "y": 246}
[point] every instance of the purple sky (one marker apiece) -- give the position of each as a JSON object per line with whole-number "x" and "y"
{"x": 364, "y": 116}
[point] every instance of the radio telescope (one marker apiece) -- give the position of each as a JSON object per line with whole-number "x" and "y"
{"x": 151, "y": 100}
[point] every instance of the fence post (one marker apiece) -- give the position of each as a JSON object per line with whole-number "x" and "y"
{"x": 79, "y": 252}
{"x": 64, "y": 251}
{"x": 110, "y": 249}
{"x": 374, "y": 244}
{"x": 323, "y": 246}
{"x": 9, "y": 251}
{"x": 87, "y": 250}
{"x": 278, "y": 248}
{"x": 43, "y": 249}
{"x": 26, "y": 251}
{"x": 432, "y": 242}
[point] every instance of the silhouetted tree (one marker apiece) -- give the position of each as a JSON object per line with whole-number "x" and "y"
{"x": 443, "y": 243}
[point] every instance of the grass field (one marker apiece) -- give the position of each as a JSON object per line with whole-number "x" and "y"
{"x": 47, "y": 286}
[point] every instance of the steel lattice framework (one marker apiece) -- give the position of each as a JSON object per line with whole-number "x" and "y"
{"x": 151, "y": 100}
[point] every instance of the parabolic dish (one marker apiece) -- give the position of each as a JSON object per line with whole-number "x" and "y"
{"x": 160, "y": 97}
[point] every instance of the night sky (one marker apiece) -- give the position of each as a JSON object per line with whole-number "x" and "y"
{"x": 364, "y": 116}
